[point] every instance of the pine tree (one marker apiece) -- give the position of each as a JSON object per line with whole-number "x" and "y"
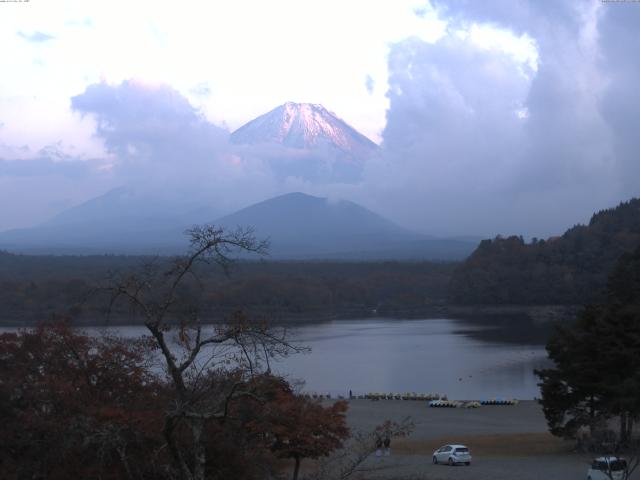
{"x": 596, "y": 373}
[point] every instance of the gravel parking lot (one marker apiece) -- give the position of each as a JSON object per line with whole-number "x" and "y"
{"x": 507, "y": 442}
{"x": 536, "y": 467}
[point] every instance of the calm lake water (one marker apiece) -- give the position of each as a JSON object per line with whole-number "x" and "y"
{"x": 425, "y": 356}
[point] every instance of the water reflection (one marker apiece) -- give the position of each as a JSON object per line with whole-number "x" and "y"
{"x": 436, "y": 356}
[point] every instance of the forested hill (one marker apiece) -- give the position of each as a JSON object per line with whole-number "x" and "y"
{"x": 34, "y": 288}
{"x": 571, "y": 269}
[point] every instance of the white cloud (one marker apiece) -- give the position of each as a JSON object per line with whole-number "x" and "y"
{"x": 473, "y": 145}
{"x": 252, "y": 55}
{"x": 482, "y": 105}
{"x": 522, "y": 48}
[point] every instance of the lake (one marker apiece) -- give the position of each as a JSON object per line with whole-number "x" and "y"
{"x": 424, "y": 356}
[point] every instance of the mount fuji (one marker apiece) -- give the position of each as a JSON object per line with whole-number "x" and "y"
{"x": 306, "y": 140}
{"x": 300, "y": 140}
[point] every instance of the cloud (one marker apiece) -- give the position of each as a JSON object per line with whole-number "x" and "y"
{"x": 202, "y": 89}
{"x": 39, "y": 184}
{"x": 168, "y": 155}
{"x": 35, "y": 37}
{"x": 155, "y": 143}
{"x": 619, "y": 103}
{"x": 520, "y": 17}
{"x": 152, "y": 131}
{"x": 45, "y": 166}
{"x": 369, "y": 84}
{"x": 481, "y": 139}
{"x": 53, "y": 160}
{"x": 450, "y": 146}
{"x": 513, "y": 117}
{"x": 161, "y": 144}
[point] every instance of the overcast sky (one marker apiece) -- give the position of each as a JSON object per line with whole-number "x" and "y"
{"x": 494, "y": 117}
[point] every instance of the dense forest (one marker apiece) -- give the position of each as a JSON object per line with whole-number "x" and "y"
{"x": 33, "y": 288}
{"x": 571, "y": 269}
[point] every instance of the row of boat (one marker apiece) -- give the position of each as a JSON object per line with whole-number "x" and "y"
{"x": 402, "y": 396}
{"x": 471, "y": 404}
{"x": 381, "y": 396}
{"x": 319, "y": 396}
{"x": 435, "y": 399}
{"x": 453, "y": 404}
{"x": 499, "y": 401}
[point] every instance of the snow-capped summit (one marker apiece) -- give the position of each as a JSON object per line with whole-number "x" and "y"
{"x": 305, "y": 126}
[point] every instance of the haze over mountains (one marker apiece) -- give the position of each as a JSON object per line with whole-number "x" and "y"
{"x": 123, "y": 220}
{"x": 298, "y": 226}
{"x": 303, "y": 226}
{"x": 300, "y": 139}
{"x": 480, "y": 126}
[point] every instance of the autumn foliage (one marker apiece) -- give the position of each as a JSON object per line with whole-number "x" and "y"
{"x": 189, "y": 401}
{"x": 302, "y": 428}
{"x": 74, "y": 406}
{"x": 79, "y": 406}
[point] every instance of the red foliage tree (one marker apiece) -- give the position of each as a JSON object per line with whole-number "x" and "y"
{"x": 77, "y": 406}
{"x": 74, "y": 406}
{"x": 300, "y": 428}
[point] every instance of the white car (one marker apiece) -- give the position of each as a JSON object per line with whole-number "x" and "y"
{"x": 452, "y": 455}
{"x": 607, "y": 468}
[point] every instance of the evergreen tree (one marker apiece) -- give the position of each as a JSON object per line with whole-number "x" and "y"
{"x": 596, "y": 373}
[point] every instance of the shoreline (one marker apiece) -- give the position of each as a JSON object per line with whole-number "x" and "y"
{"x": 502, "y": 315}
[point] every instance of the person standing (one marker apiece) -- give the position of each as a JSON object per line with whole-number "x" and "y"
{"x": 387, "y": 446}
{"x": 378, "y": 449}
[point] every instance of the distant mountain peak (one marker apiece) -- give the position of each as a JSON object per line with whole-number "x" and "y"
{"x": 299, "y": 225}
{"x": 304, "y": 126}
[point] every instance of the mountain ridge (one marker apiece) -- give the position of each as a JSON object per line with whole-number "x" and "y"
{"x": 568, "y": 269}
{"x": 300, "y": 226}
{"x": 303, "y": 226}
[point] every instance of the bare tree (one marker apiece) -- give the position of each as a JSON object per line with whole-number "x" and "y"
{"x": 349, "y": 461}
{"x": 207, "y": 366}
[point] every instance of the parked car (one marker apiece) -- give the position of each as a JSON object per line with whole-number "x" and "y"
{"x": 452, "y": 455}
{"x": 607, "y": 468}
